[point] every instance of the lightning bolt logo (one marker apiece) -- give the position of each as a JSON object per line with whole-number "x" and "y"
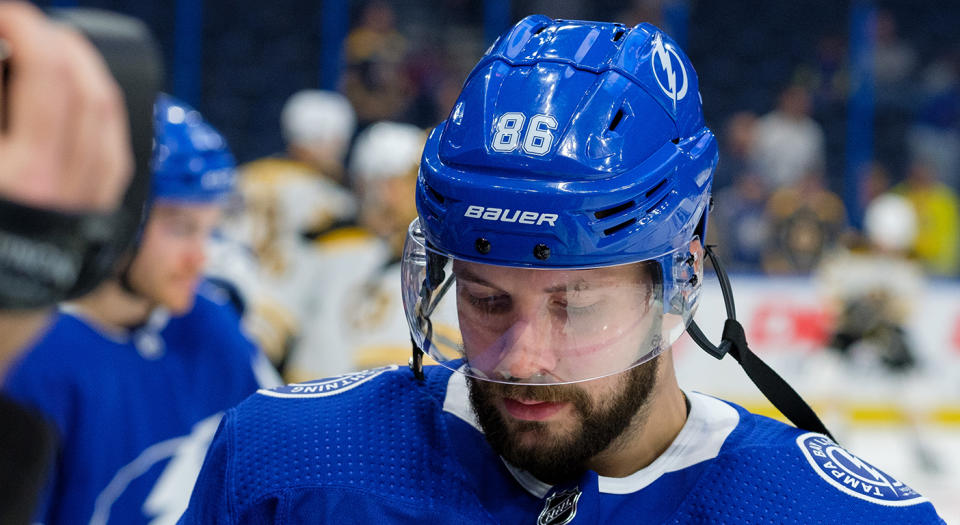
{"x": 853, "y": 476}
{"x": 662, "y": 63}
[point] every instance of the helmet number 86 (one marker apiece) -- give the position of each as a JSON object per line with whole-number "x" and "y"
{"x": 537, "y": 140}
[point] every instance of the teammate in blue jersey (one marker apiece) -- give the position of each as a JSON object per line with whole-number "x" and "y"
{"x": 556, "y": 257}
{"x": 136, "y": 376}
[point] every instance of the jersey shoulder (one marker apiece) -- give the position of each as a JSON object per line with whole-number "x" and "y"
{"x": 768, "y": 470}
{"x": 46, "y": 360}
{"x": 376, "y": 431}
{"x": 364, "y": 447}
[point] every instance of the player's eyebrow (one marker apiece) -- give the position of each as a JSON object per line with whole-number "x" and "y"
{"x": 464, "y": 274}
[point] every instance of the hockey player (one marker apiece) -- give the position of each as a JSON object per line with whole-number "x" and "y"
{"x": 285, "y": 198}
{"x": 358, "y": 321}
{"x": 136, "y": 376}
{"x": 555, "y": 259}
{"x": 872, "y": 292}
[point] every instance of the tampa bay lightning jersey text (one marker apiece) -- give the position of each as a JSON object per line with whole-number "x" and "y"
{"x": 381, "y": 447}
{"x": 135, "y": 410}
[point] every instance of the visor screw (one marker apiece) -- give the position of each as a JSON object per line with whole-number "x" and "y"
{"x": 482, "y": 245}
{"x": 541, "y": 251}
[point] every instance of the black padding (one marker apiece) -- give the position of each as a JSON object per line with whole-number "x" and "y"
{"x": 48, "y": 256}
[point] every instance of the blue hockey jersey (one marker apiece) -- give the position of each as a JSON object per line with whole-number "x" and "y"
{"x": 135, "y": 411}
{"x": 381, "y": 447}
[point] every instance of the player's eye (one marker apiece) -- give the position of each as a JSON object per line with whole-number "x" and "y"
{"x": 490, "y": 304}
{"x": 485, "y": 300}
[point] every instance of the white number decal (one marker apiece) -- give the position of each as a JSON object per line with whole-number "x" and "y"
{"x": 507, "y": 137}
{"x": 538, "y": 139}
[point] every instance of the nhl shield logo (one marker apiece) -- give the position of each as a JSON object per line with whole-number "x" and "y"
{"x": 560, "y": 508}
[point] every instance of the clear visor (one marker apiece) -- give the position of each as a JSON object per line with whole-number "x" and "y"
{"x": 545, "y": 326}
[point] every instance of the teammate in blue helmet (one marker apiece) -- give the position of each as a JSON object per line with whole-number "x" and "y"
{"x": 557, "y": 255}
{"x": 154, "y": 359}
{"x": 193, "y": 174}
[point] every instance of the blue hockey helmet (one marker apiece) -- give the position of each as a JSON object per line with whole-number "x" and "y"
{"x": 576, "y": 153}
{"x": 191, "y": 160}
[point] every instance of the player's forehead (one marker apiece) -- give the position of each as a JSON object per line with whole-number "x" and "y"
{"x": 535, "y": 279}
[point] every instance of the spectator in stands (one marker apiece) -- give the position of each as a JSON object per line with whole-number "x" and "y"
{"x": 938, "y": 215}
{"x": 740, "y": 228}
{"x": 935, "y": 133}
{"x": 894, "y": 62}
{"x": 737, "y": 145}
{"x": 375, "y": 78}
{"x": 830, "y": 73}
{"x": 806, "y": 221}
{"x": 894, "y": 67}
{"x": 788, "y": 143}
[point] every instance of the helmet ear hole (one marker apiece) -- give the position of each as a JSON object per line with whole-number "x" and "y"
{"x": 616, "y": 120}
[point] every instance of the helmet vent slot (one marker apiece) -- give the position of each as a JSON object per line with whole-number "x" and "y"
{"x": 603, "y": 214}
{"x": 655, "y": 189}
{"x": 618, "y": 35}
{"x": 657, "y": 205}
{"x": 616, "y": 119}
{"x": 539, "y": 30}
{"x": 614, "y": 229}
{"x": 435, "y": 194}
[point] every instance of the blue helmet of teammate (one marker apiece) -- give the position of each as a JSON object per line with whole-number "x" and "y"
{"x": 191, "y": 160}
{"x": 572, "y": 146}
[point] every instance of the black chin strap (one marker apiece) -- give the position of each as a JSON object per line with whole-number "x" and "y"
{"x": 770, "y": 384}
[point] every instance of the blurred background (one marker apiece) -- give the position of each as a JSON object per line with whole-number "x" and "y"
{"x": 835, "y": 200}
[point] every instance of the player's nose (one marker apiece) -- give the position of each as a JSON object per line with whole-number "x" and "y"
{"x": 194, "y": 254}
{"x": 527, "y": 351}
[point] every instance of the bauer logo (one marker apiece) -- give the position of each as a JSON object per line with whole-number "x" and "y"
{"x": 668, "y": 70}
{"x": 853, "y": 475}
{"x": 508, "y": 215}
{"x": 327, "y": 387}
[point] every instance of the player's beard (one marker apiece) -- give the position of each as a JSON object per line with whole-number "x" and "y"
{"x": 597, "y": 423}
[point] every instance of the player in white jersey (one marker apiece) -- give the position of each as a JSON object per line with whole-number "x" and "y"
{"x": 872, "y": 291}
{"x": 283, "y": 200}
{"x": 359, "y": 322}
